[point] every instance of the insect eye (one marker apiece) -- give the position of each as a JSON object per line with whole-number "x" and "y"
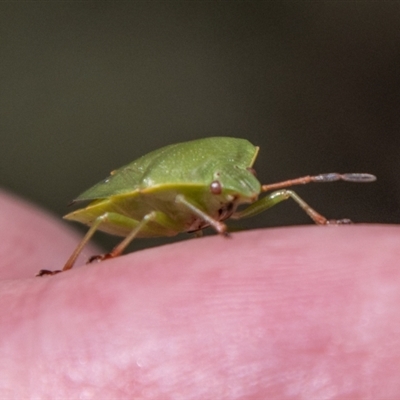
{"x": 215, "y": 187}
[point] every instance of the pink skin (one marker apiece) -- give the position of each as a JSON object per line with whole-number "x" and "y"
{"x": 288, "y": 313}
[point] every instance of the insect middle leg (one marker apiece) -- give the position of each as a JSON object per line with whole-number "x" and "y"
{"x": 281, "y": 195}
{"x": 219, "y": 226}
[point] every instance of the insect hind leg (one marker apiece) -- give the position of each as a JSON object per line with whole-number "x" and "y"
{"x": 161, "y": 225}
{"x": 108, "y": 217}
{"x": 164, "y": 224}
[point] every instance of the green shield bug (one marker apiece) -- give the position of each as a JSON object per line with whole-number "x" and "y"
{"x": 186, "y": 187}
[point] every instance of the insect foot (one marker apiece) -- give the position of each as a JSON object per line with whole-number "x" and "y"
{"x": 99, "y": 257}
{"x": 44, "y": 272}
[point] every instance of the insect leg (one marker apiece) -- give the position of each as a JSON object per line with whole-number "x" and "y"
{"x": 75, "y": 254}
{"x": 219, "y": 226}
{"x": 164, "y": 224}
{"x": 281, "y": 195}
{"x": 161, "y": 219}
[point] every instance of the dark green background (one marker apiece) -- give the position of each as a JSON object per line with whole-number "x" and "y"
{"x": 89, "y": 86}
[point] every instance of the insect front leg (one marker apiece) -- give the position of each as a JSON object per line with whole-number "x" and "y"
{"x": 281, "y": 195}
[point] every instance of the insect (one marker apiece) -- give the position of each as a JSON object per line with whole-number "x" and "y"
{"x": 186, "y": 187}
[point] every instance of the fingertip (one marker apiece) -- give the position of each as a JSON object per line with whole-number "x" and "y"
{"x": 31, "y": 239}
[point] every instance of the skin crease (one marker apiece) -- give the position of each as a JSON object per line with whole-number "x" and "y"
{"x": 290, "y": 313}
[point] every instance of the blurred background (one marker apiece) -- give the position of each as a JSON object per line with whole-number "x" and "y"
{"x": 87, "y": 87}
